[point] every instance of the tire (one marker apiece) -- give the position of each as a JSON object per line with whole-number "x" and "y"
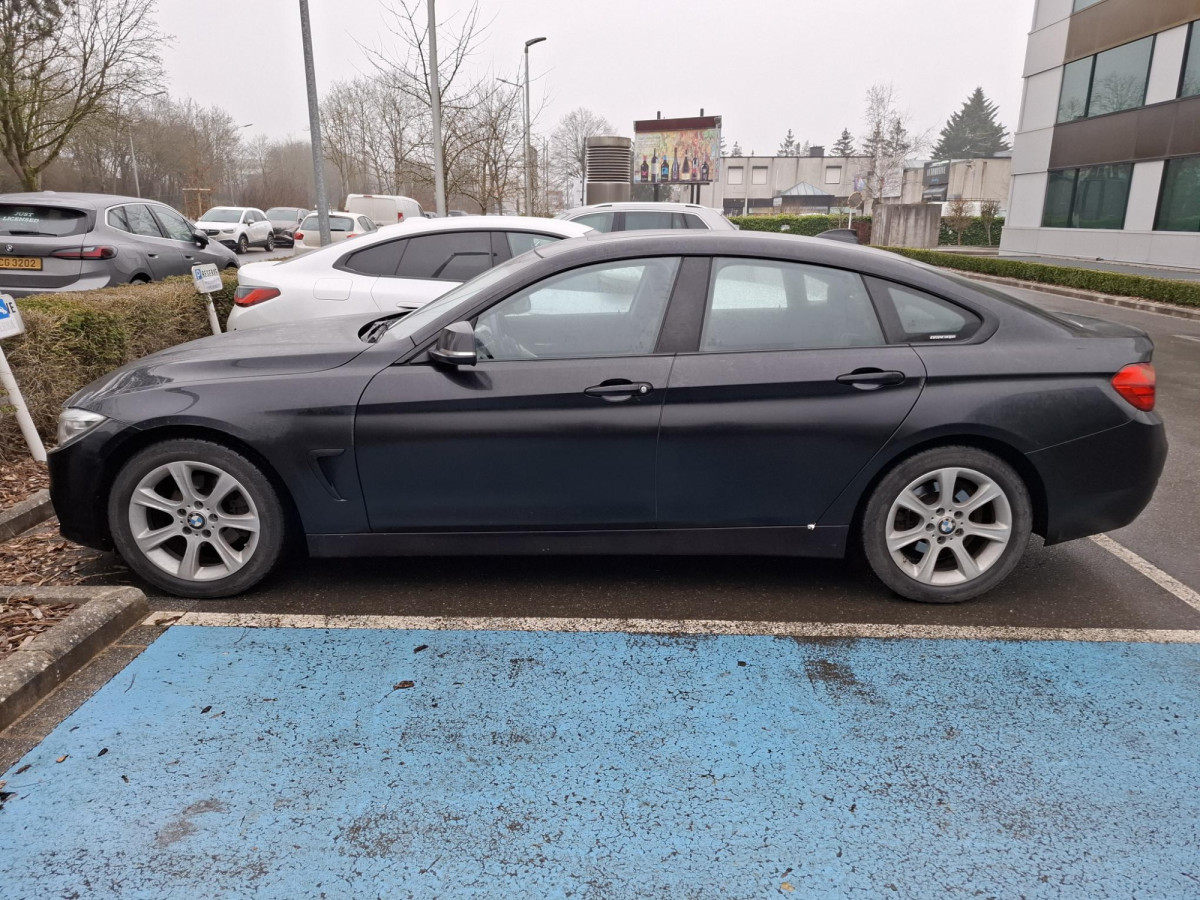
{"x": 270, "y": 244}
{"x": 243, "y": 245}
{"x": 981, "y": 530}
{"x": 161, "y": 510}
{"x": 139, "y": 279}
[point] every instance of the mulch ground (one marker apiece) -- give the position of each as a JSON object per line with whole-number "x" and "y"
{"x": 21, "y": 479}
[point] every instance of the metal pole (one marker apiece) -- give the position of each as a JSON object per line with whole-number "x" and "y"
{"x": 435, "y": 96}
{"x": 314, "y": 125}
{"x": 137, "y": 184}
{"x": 528, "y": 180}
{"x": 17, "y": 402}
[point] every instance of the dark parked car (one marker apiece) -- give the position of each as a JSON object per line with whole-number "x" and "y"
{"x": 284, "y": 222}
{"x": 79, "y": 242}
{"x": 686, "y": 392}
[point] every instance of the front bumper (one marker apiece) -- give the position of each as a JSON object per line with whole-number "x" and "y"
{"x": 1103, "y": 481}
{"x": 80, "y": 477}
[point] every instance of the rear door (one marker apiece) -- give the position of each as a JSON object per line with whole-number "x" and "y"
{"x": 791, "y": 390}
{"x": 29, "y": 236}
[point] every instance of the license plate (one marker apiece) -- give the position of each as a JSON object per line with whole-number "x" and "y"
{"x": 21, "y": 262}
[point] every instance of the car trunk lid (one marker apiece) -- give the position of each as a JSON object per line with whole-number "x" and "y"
{"x": 30, "y": 235}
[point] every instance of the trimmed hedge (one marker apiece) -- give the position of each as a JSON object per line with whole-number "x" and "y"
{"x": 806, "y": 226}
{"x": 974, "y": 235}
{"x": 1163, "y": 290}
{"x": 73, "y": 338}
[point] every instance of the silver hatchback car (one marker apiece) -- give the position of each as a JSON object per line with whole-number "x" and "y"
{"x": 53, "y": 242}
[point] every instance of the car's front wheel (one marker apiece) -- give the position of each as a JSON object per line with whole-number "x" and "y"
{"x": 196, "y": 519}
{"x": 243, "y": 245}
{"x": 270, "y": 245}
{"x": 947, "y": 524}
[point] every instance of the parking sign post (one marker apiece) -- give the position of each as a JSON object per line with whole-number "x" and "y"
{"x": 207, "y": 279}
{"x": 11, "y": 325}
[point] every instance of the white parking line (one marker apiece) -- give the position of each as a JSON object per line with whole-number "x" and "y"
{"x": 679, "y": 627}
{"x": 1151, "y": 571}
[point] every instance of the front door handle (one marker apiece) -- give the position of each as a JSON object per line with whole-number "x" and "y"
{"x": 617, "y": 391}
{"x": 871, "y": 379}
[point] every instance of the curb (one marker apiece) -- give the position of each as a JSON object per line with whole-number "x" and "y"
{"x": 30, "y": 673}
{"x": 1166, "y": 309}
{"x": 33, "y": 510}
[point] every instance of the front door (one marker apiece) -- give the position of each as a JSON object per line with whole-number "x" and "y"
{"x": 556, "y": 426}
{"x": 792, "y": 392}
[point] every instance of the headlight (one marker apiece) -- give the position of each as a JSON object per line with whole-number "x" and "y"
{"x": 226, "y": 231}
{"x": 75, "y": 422}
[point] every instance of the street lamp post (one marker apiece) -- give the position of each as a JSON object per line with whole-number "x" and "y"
{"x": 435, "y": 103}
{"x": 314, "y": 126}
{"x": 528, "y": 172}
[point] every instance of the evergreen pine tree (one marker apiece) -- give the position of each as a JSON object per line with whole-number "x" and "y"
{"x": 788, "y": 147}
{"x": 845, "y": 144}
{"x": 973, "y": 131}
{"x": 737, "y": 149}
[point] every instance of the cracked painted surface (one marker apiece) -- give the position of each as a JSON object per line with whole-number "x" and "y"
{"x": 290, "y": 763}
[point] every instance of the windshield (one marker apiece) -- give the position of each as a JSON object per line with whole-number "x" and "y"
{"x": 282, "y": 213}
{"x": 222, "y": 215}
{"x": 48, "y": 221}
{"x": 464, "y": 293}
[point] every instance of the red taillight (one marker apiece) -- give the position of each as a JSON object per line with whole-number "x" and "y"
{"x": 1136, "y": 384}
{"x": 86, "y": 253}
{"x": 399, "y": 217}
{"x": 350, "y": 235}
{"x": 246, "y": 295}
{"x": 299, "y": 235}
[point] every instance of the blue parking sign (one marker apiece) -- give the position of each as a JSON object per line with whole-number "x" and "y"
{"x": 10, "y": 318}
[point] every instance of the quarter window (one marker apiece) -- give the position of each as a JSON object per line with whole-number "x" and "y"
{"x": 1092, "y": 197}
{"x": 522, "y": 242}
{"x": 609, "y": 309}
{"x": 378, "y": 259}
{"x": 1179, "y": 206}
{"x": 599, "y": 221}
{"x": 923, "y": 317}
{"x": 116, "y": 218}
{"x": 764, "y": 305}
{"x": 1107, "y": 82}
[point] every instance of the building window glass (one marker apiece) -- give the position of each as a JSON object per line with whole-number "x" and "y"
{"x": 1083, "y": 4}
{"x": 1190, "y": 85}
{"x": 1093, "y": 197}
{"x": 758, "y": 175}
{"x": 1179, "y": 205}
{"x": 735, "y": 174}
{"x": 1107, "y": 82}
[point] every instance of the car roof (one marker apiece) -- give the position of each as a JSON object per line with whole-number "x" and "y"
{"x": 639, "y": 206}
{"x": 415, "y": 225}
{"x": 74, "y": 198}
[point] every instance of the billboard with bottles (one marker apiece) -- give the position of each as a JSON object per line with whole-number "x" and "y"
{"x": 677, "y": 151}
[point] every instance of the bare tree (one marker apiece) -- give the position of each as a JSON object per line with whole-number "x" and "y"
{"x": 959, "y": 217}
{"x": 569, "y": 143}
{"x": 988, "y": 210}
{"x": 61, "y": 62}
{"x": 493, "y": 166}
{"x": 887, "y": 143}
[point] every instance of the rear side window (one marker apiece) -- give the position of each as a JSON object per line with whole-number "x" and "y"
{"x": 116, "y": 218}
{"x": 447, "y": 257}
{"x": 142, "y": 221}
{"x": 690, "y": 221}
{"x": 20, "y": 219}
{"x": 765, "y": 305}
{"x": 522, "y": 242}
{"x": 649, "y": 221}
{"x": 599, "y": 221}
{"x": 925, "y": 318}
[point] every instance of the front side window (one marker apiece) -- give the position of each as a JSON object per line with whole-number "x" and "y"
{"x": 1179, "y": 205}
{"x": 175, "y": 225}
{"x": 447, "y": 257}
{"x": 522, "y": 241}
{"x": 1107, "y": 82}
{"x": 1189, "y": 86}
{"x": 767, "y": 305}
{"x": 1091, "y": 197}
{"x": 608, "y": 309}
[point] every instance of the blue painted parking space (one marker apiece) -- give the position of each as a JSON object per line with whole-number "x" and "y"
{"x": 297, "y": 763}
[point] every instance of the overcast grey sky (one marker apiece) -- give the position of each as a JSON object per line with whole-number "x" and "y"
{"x": 764, "y": 65}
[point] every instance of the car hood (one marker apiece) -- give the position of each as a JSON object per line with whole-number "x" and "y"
{"x": 294, "y": 348}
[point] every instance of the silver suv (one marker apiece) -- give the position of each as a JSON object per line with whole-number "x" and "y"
{"x": 647, "y": 217}
{"x": 78, "y": 242}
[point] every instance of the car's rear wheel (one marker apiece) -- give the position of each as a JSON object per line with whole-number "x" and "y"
{"x": 196, "y": 519}
{"x": 947, "y": 524}
{"x": 243, "y": 245}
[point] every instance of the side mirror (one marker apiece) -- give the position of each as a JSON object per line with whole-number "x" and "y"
{"x": 456, "y": 346}
{"x": 200, "y": 238}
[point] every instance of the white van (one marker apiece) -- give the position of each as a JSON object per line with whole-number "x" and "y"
{"x": 384, "y": 209}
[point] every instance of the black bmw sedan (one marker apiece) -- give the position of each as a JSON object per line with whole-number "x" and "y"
{"x": 668, "y": 393}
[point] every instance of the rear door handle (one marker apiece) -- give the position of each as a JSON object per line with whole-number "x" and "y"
{"x": 871, "y": 379}
{"x": 617, "y": 391}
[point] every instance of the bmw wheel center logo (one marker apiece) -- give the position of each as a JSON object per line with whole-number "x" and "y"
{"x": 947, "y": 526}
{"x": 197, "y": 521}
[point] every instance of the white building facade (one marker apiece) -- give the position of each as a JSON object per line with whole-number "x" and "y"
{"x": 1106, "y": 159}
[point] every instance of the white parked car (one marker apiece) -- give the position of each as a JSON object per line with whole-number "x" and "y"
{"x": 342, "y": 225}
{"x": 384, "y": 209}
{"x": 238, "y": 227}
{"x": 634, "y": 216}
{"x": 395, "y": 268}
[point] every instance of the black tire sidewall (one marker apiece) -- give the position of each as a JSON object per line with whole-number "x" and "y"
{"x": 242, "y": 245}
{"x": 273, "y": 520}
{"x": 875, "y": 518}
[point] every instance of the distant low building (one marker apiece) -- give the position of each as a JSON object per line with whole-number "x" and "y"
{"x": 973, "y": 180}
{"x": 773, "y": 185}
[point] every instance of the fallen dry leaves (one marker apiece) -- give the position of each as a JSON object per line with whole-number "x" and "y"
{"x": 20, "y": 479}
{"x": 21, "y": 621}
